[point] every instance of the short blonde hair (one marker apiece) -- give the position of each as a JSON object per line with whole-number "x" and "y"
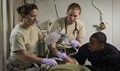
{"x": 74, "y": 6}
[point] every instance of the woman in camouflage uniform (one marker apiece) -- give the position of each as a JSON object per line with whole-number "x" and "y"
{"x": 23, "y": 46}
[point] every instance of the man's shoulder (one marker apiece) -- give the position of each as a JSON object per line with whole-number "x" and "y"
{"x": 109, "y": 45}
{"x": 111, "y": 48}
{"x": 85, "y": 46}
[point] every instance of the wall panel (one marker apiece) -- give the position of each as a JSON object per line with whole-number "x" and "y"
{"x": 1, "y": 35}
{"x": 116, "y": 23}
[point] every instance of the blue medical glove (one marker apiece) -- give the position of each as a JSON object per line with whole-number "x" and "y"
{"x": 49, "y": 62}
{"x": 62, "y": 55}
{"x": 74, "y": 43}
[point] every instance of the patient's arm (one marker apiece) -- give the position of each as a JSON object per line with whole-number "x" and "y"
{"x": 53, "y": 48}
{"x": 71, "y": 60}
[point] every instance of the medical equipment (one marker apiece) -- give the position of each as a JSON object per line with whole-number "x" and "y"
{"x": 102, "y": 25}
{"x": 56, "y": 8}
{"x": 62, "y": 45}
{"x": 52, "y": 38}
{"x": 75, "y": 31}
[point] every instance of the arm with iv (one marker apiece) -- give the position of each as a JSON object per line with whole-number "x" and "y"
{"x": 51, "y": 39}
{"x": 65, "y": 57}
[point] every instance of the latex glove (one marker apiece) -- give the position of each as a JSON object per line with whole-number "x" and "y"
{"x": 62, "y": 55}
{"x": 49, "y": 62}
{"x": 74, "y": 43}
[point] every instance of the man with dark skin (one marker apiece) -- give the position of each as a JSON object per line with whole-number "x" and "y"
{"x": 102, "y": 56}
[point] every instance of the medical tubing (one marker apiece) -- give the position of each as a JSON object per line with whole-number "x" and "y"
{"x": 56, "y": 9}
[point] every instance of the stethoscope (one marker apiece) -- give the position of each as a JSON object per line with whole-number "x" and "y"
{"x": 75, "y": 31}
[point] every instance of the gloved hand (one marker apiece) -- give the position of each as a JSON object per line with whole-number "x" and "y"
{"x": 74, "y": 43}
{"x": 62, "y": 55}
{"x": 49, "y": 62}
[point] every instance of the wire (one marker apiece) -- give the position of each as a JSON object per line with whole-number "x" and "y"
{"x": 101, "y": 18}
{"x": 34, "y": 1}
{"x": 56, "y": 9}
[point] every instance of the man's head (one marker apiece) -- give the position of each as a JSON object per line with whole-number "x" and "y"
{"x": 97, "y": 41}
{"x": 73, "y": 12}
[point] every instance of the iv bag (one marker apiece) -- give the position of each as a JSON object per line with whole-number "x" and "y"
{"x": 65, "y": 40}
{"x": 51, "y": 38}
